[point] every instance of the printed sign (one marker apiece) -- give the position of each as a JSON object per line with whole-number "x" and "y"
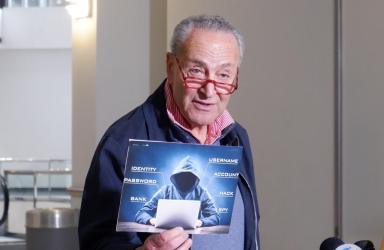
{"x": 176, "y": 184}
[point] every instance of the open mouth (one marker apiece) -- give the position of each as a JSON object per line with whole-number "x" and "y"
{"x": 203, "y": 105}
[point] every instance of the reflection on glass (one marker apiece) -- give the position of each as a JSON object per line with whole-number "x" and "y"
{"x": 15, "y": 3}
{"x": 56, "y": 2}
{"x": 34, "y": 3}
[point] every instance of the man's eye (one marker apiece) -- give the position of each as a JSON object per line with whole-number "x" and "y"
{"x": 224, "y": 76}
{"x": 196, "y": 71}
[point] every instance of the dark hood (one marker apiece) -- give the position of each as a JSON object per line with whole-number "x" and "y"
{"x": 185, "y": 175}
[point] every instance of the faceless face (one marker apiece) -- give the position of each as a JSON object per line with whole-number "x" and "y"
{"x": 209, "y": 55}
{"x": 184, "y": 182}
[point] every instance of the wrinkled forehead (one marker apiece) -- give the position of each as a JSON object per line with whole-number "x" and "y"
{"x": 210, "y": 44}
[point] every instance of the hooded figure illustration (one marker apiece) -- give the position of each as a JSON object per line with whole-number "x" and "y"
{"x": 185, "y": 186}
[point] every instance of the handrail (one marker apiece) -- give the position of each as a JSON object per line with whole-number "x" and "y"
{"x": 37, "y": 172}
{"x": 32, "y": 160}
{"x": 34, "y": 174}
{"x": 49, "y": 163}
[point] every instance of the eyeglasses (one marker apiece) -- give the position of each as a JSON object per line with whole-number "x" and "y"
{"x": 220, "y": 87}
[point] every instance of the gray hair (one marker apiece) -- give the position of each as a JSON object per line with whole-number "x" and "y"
{"x": 204, "y": 22}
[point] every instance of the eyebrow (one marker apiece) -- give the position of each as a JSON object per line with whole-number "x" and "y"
{"x": 201, "y": 63}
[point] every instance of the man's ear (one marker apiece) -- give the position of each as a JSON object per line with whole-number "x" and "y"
{"x": 170, "y": 67}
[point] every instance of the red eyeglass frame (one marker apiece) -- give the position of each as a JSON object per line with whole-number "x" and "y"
{"x": 228, "y": 87}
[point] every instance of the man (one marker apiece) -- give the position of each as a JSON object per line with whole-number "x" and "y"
{"x": 189, "y": 107}
{"x": 185, "y": 186}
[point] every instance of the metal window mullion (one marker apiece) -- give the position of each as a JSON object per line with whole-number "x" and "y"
{"x": 338, "y": 118}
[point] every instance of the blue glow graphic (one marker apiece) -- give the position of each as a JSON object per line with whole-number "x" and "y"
{"x": 150, "y": 165}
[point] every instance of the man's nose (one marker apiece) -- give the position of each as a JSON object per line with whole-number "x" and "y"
{"x": 208, "y": 89}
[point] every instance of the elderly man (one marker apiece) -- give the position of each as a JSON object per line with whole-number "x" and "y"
{"x": 189, "y": 107}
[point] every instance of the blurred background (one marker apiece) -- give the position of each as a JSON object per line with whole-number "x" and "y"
{"x": 311, "y": 96}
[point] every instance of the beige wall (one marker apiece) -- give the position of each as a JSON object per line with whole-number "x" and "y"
{"x": 285, "y": 100}
{"x": 83, "y": 95}
{"x": 111, "y": 72}
{"x": 158, "y": 42}
{"x": 363, "y": 119}
{"x": 122, "y": 67}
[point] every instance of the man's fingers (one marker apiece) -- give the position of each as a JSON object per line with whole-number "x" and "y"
{"x": 152, "y": 221}
{"x": 170, "y": 239}
{"x": 154, "y": 241}
{"x": 176, "y": 241}
{"x": 151, "y": 242}
{"x": 186, "y": 245}
{"x": 172, "y": 233}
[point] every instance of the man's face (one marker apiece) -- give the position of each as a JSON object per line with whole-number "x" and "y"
{"x": 209, "y": 55}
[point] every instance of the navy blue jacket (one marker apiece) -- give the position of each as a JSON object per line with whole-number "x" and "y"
{"x": 101, "y": 196}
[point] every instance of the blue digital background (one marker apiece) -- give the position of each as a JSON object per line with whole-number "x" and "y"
{"x": 165, "y": 156}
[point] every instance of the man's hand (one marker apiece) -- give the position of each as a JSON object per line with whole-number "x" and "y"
{"x": 175, "y": 238}
{"x": 199, "y": 223}
{"x": 152, "y": 221}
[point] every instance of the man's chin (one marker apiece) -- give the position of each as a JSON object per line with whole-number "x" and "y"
{"x": 201, "y": 122}
{"x": 201, "y": 119}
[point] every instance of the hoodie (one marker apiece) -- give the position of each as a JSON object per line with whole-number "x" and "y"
{"x": 185, "y": 186}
